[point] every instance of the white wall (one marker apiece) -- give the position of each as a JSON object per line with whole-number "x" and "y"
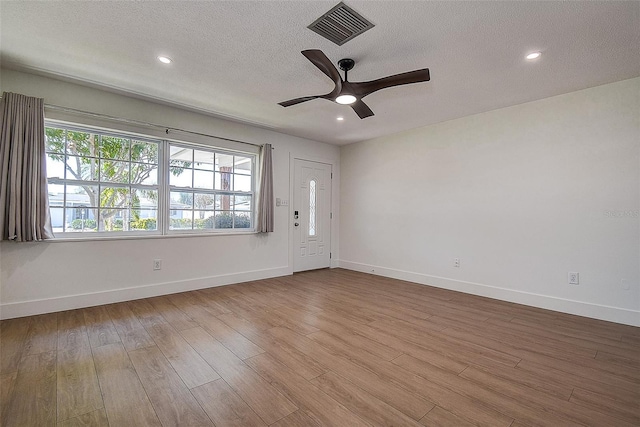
{"x": 522, "y": 195}
{"x": 50, "y": 276}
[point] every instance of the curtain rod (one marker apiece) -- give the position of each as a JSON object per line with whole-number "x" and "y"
{"x": 138, "y": 122}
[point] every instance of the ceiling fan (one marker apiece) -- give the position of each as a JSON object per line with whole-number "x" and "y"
{"x": 351, "y": 93}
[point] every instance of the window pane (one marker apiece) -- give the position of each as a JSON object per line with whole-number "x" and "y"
{"x": 144, "y": 152}
{"x": 114, "y": 197}
{"x": 181, "y": 220}
{"x": 55, "y": 166}
{"x": 203, "y": 179}
{"x": 113, "y": 219}
{"x": 181, "y": 200}
{"x": 224, "y": 162}
{"x": 56, "y": 195}
{"x": 112, "y": 147}
{"x": 204, "y": 201}
{"x": 81, "y": 219}
{"x": 224, "y": 220}
{"x": 223, "y": 202}
{"x": 242, "y": 165}
{"x": 82, "y": 143}
{"x": 55, "y": 139}
{"x": 242, "y": 220}
{"x": 144, "y": 199}
{"x": 112, "y": 171}
{"x": 242, "y": 203}
{"x": 242, "y": 183}
{"x": 144, "y": 173}
{"x": 181, "y": 154}
{"x": 181, "y": 177}
{"x": 203, "y": 160}
{"x": 223, "y": 181}
{"x": 203, "y": 219}
{"x": 57, "y": 219}
{"x": 144, "y": 219}
{"x": 81, "y": 168}
{"x": 82, "y": 195}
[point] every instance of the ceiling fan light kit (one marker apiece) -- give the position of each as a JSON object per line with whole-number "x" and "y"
{"x": 351, "y": 93}
{"x": 346, "y": 99}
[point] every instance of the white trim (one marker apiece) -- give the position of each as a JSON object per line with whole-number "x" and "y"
{"x": 580, "y": 308}
{"x": 105, "y": 237}
{"x": 70, "y": 302}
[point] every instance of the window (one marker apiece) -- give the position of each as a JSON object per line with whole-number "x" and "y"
{"x": 209, "y": 189}
{"x": 101, "y": 182}
{"x": 118, "y": 184}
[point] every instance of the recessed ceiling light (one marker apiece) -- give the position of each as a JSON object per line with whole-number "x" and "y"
{"x": 533, "y": 55}
{"x": 339, "y": 119}
{"x": 346, "y": 99}
{"x": 164, "y": 59}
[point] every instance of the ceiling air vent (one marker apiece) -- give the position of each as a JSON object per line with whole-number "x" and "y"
{"x": 340, "y": 24}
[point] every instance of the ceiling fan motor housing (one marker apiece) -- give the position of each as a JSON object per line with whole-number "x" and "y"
{"x": 346, "y": 64}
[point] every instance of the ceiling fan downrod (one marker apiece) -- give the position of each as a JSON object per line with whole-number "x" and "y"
{"x": 346, "y": 64}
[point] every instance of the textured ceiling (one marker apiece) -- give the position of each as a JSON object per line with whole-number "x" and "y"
{"x": 239, "y": 59}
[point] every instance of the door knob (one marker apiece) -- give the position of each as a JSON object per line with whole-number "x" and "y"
{"x": 296, "y": 224}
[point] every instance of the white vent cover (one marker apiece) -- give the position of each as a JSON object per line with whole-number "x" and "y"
{"x": 340, "y": 24}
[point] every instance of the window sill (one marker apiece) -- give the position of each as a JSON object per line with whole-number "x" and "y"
{"x": 143, "y": 237}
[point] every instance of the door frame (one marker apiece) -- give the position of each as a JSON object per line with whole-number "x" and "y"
{"x": 333, "y": 263}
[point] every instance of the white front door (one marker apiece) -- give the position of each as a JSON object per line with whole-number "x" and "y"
{"x": 311, "y": 215}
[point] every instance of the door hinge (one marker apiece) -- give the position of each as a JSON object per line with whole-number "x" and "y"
{"x": 331, "y": 175}
{"x": 329, "y": 255}
{"x": 330, "y": 215}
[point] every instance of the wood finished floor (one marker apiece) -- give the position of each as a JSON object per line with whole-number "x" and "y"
{"x": 322, "y": 348}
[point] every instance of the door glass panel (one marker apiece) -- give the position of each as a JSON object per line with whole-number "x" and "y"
{"x": 312, "y": 207}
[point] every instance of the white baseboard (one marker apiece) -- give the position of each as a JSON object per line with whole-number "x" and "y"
{"x": 70, "y": 302}
{"x": 596, "y": 311}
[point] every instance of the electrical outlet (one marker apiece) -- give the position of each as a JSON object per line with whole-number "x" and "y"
{"x": 157, "y": 264}
{"x": 456, "y": 262}
{"x": 574, "y": 278}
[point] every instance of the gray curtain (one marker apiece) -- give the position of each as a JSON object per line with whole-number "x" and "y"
{"x": 24, "y": 203}
{"x": 265, "y": 203}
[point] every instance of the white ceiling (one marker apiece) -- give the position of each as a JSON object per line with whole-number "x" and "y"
{"x": 239, "y": 59}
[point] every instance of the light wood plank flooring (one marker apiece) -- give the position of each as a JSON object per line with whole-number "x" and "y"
{"x": 321, "y": 348}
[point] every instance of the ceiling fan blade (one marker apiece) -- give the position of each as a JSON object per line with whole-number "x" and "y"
{"x": 295, "y": 101}
{"x": 320, "y": 60}
{"x": 361, "y": 109}
{"x": 363, "y": 89}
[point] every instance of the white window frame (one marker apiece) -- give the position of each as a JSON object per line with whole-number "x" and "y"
{"x": 167, "y": 198}
{"x": 163, "y": 186}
